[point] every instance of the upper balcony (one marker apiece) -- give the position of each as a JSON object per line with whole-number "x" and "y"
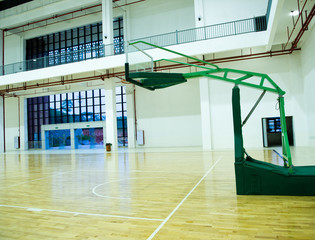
{"x": 246, "y": 33}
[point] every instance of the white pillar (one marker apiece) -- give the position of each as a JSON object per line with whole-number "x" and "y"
{"x": 205, "y": 113}
{"x": 1, "y": 125}
{"x": 199, "y": 13}
{"x": 72, "y": 137}
{"x": 110, "y": 108}
{"x": 23, "y": 128}
{"x": 107, "y": 25}
{"x": 131, "y": 115}
{"x": 1, "y": 50}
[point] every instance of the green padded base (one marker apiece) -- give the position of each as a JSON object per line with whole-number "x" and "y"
{"x": 255, "y": 177}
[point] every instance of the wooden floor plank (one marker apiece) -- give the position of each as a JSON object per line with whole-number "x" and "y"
{"x": 128, "y": 194}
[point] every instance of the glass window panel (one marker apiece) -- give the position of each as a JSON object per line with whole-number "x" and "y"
{"x": 75, "y": 33}
{"x": 119, "y": 114}
{"x": 71, "y": 119}
{"x": 97, "y": 101}
{"x": 57, "y": 97}
{"x": 118, "y": 98}
{"x": 103, "y": 100}
{"x": 81, "y": 40}
{"x": 94, "y": 28}
{"x": 90, "y": 109}
{"x": 90, "y": 101}
{"x": 94, "y": 37}
{"x": 116, "y": 32}
{"x": 69, "y": 95}
{"x": 68, "y": 34}
{"x": 82, "y": 94}
{"x": 77, "y": 111}
{"x": 64, "y": 96}
{"x": 89, "y": 93}
{"x": 97, "y": 117}
{"x": 97, "y": 109}
{"x": 96, "y": 92}
{"x": 83, "y": 102}
{"x": 118, "y": 90}
{"x": 118, "y": 107}
{"x": 52, "y": 120}
{"x": 115, "y": 24}
{"x": 75, "y": 43}
{"x": 76, "y": 95}
{"x": 125, "y": 106}
{"x": 90, "y": 117}
{"x": 81, "y": 31}
{"x": 76, "y": 103}
{"x": 58, "y": 119}
{"x": 64, "y": 119}
{"x": 83, "y": 118}
{"x": 62, "y": 36}
{"x": 102, "y": 92}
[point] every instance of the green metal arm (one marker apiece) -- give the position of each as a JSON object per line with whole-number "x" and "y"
{"x": 224, "y": 74}
{"x": 177, "y": 53}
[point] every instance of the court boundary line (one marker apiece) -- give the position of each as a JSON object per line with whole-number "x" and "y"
{"x": 31, "y": 209}
{"x": 184, "y": 199}
{"x": 105, "y": 183}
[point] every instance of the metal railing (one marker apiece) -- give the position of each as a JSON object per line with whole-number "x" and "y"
{"x": 249, "y": 25}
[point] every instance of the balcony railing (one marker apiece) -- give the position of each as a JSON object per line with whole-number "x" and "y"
{"x": 249, "y": 25}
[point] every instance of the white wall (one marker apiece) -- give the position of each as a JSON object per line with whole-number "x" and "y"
{"x": 160, "y": 16}
{"x": 308, "y": 70}
{"x": 170, "y": 117}
{"x": 285, "y": 71}
{"x": 230, "y": 10}
{"x": 11, "y": 122}
{"x": 13, "y": 49}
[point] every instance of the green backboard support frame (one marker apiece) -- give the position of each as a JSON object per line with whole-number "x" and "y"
{"x": 154, "y": 81}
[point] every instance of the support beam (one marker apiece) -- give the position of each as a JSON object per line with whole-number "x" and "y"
{"x": 199, "y": 13}
{"x": 205, "y": 113}
{"x": 2, "y": 128}
{"x": 107, "y": 21}
{"x": 110, "y": 107}
{"x": 131, "y": 115}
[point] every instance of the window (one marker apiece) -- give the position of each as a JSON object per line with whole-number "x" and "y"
{"x": 63, "y": 108}
{"x": 121, "y": 109}
{"x": 73, "y": 45}
{"x": 38, "y": 109}
{"x": 118, "y": 35}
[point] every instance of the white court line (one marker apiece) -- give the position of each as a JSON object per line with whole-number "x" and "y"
{"x": 120, "y": 180}
{"x": 172, "y": 213}
{"x": 80, "y": 213}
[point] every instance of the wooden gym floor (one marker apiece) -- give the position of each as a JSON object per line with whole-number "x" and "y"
{"x": 157, "y": 194}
